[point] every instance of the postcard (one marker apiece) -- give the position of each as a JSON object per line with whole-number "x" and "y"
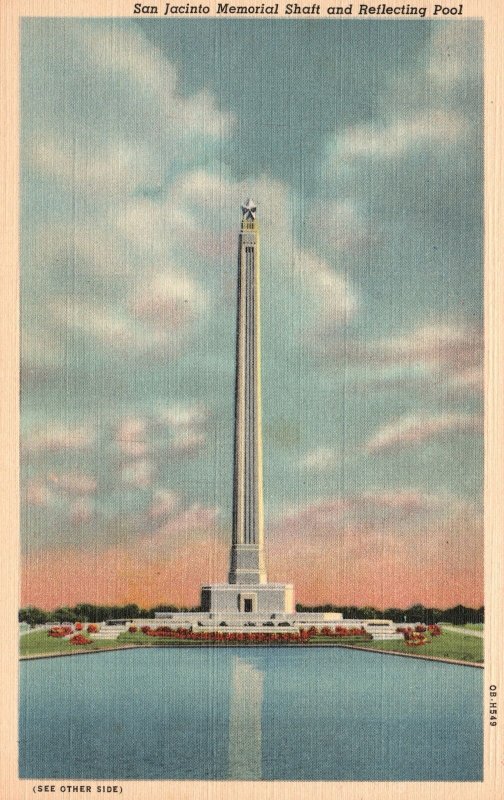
{"x": 251, "y": 420}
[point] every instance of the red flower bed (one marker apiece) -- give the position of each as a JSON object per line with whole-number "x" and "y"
{"x": 92, "y": 628}
{"x": 78, "y": 626}
{"x": 304, "y": 635}
{"x": 79, "y": 638}
{"x": 59, "y": 631}
{"x": 435, "y": 630}
{"x": 414, "y": 638}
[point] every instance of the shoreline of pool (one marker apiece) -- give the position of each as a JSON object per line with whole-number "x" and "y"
{"x": 230, "y": 645}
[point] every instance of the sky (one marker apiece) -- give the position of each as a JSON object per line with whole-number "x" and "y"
{"x": 361, "y": 143}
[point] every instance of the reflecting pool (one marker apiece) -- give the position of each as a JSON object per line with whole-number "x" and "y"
{"x": 251, "y": 713}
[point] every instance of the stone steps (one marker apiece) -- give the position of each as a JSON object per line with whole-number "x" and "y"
{"x": 110, "y": 632}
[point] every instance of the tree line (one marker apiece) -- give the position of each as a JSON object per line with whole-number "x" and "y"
{"x": 86, "y": 612}
{"x": 458, "y": 615}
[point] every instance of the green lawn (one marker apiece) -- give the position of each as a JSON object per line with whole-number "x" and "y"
{"x": 448, "y": 645}
{"x": 339, "y": 640}
{"x": 39, "y": 643}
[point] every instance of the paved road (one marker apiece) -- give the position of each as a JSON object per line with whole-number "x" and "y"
{"x": 465, "y": 631}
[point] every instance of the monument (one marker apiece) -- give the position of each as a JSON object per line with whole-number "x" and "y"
{"x": 248, "y": 590}
{"x": 248, "y": 599}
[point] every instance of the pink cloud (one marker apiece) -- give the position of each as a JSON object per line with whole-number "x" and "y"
{"x": 81, "y": 510}
{"x": 164, "y": 503}
{"x": 37, "y": 493}
{"x": 131, "y": 437}
{"x": 418, "y": 428}
{"x": 449, "y": 354}
{"x": 332, "y": 516}
{"x": 471, "y": 379}
{"x": 172, "y": 299}
{"x": 405, "y": 500}
{"x": 73, "y": 482}
{"x": 195, "y": 518}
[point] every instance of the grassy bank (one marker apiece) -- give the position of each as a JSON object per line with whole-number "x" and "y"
{"x": 449, "y": 645}
{"x": 39, "y": 643}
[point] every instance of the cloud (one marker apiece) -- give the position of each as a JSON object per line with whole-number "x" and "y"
{"x": 471, "y": 380}
{"x": 425, "y": 107}
{"x": 196, "y": 518}
{"x": 118, "y": 170}
{"x": 184, "y": 416}
{"x": 56, "y": 439}
{"x": 437, "y": 346}
{"x": 187, "y": 425}
{"x": 121, "y": 153}
{"x": 454, "y": 57}
{"x": 153, "y": 79}
{"x": 81, "y": 510}
{"x": 69, "y": 494}
{"x": 191, "y": 208}
{"x": 322, "y": 458}
{"x": 90, "y": 247}
{"x": 335, "y": 299}
{"x": 437, "y": 354}
{"x": 419, "y": 428}
{"x": 372, "y": 508}
{"x": 137, "y": 474}
{"x": 38, "y": 493}
{"x": 112, "y": 172}
{"x": 405, "y": 501}
{"x": 188, "y": 443}
{"x": 164, "y": 503}
{"x": 339, "y": 225}
{"x": 172, "y": 300}
{"x": 131, "y": 437}
{"x": 149, "y": 322}
{"x": 73, "y": 482}
{"x": 433, "y": 128}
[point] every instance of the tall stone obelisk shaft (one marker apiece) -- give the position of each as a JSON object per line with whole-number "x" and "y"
{"x": 247, "y": 551}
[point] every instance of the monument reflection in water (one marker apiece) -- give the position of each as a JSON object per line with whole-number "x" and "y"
{"x": 245, "y": 720}
{"x": 262, "y": 713}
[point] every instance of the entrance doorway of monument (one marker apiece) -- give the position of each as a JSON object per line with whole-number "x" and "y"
{"x": 248, "y": 603}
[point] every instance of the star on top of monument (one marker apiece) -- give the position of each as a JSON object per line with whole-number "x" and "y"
{"x": 249, "y": 209}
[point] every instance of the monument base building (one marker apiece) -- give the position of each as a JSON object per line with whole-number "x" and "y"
{"x": 256, "y": 599}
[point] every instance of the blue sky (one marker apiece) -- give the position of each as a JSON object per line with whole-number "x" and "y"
{"x": 361, "y": 144}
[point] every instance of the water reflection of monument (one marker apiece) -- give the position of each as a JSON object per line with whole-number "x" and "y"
{"x": 245, "y": 721}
